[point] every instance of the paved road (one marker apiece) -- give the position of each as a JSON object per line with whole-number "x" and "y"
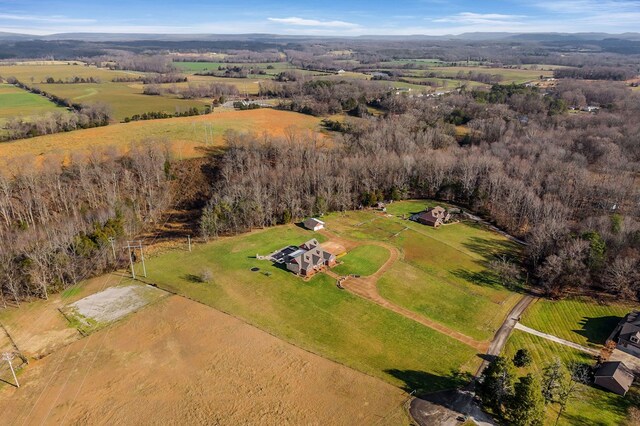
{"x": 556, "y": 339}
{"x": 503, "y": 333}
{"x": 492, "y": 227}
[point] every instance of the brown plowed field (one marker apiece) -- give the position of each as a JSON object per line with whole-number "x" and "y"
{"x": 179, "y": 362}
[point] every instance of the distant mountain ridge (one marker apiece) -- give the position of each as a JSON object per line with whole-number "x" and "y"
{"x": 477, "y": 36}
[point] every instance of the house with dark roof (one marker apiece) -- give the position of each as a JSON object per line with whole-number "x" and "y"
{"x": 434, "y": 217}
{"x": 614, "y": 376}
{"x": 628, "y": 336}
{"x": 309, "y": 259}
{"x": 313, "y": 224}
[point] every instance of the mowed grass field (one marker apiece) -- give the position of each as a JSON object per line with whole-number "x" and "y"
{"x": 15, "y": 102}
{"x": 35, "y": 73}
{"x": 443, "y": 273}
{"x": 125, "y": 99}
{"x": 581, "y": 321}
{"x": 183, "y": 135}
{"x": 271, "y": 68}
{"x": 363, "y": 260}
{"x": 509, "y": 75}
{"x": 314, "y": 314}
{"x": 591, "y": 405}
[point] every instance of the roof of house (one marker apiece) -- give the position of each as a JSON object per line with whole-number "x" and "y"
{"x": 310, "y": 255}
{"x": 312, "y": 222}
{"x": 617, "y": 371}
{"x": 432, "y": 215}
{"x": 631, "y": 325}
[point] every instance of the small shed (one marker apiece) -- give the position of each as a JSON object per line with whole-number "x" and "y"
{"x": 313, "y": 224}
{"x": 615, "y": 377}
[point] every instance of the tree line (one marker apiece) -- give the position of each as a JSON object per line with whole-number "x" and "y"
{"x": 55, "y": 224}
{"x": 77, "y": 116}
{"x": 565, "y": 183}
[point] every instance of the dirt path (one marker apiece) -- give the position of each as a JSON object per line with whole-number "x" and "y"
{"x": 553, "y": 338}
{"x": 366, "y": 287}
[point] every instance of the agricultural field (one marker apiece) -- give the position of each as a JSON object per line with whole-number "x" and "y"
{"x": 591, "y": 405}
{"x": 271, "y": 68}
{"x": 313, "y": 314}
{"x": 509, "y": 75}
{"x": 124, "y": 99}
{"x": 34, "y": 73}
{"x": 581, "y": 321}
{"x": 178, "y": 361}
{"x": 185, "y": 136}
{"x": 15, "y": 102}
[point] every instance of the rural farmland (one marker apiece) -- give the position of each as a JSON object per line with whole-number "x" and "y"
{"x": 320, "y": 217}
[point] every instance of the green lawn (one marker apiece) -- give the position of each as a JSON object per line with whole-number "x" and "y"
{"x": 443, "y": 272}
{"x": 15, "y": 102}
{"x": 591, "y": 406}
{"x": 314, "y": 315}
{"x": 518, "y": 76}
{"x": 363, "y": 260}
{"x": 271, "y": 68}
{"x": 125, "y": 99}
{"x": 582, "y": 321}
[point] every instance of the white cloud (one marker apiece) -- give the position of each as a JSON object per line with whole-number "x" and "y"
{"x": 301, "y": 22}
{"x": 588, "y": 7}
{"x": 479, "y": 18}
{"x": 54, "y": 19}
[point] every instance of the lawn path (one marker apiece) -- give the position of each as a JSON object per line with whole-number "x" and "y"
{"x": 366, "y": 288}
{"x": 556, "y": 339}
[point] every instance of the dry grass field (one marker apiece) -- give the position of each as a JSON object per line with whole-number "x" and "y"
{"x": 183, "y": 135}
{"x": 179, "y": 362}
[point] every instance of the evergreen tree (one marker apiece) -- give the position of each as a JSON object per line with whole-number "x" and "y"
{"x": 526, "y": 406}
{"x": 496, "y": 383}
{"x": 522, "y": 358}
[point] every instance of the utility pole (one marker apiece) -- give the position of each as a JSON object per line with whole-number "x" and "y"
{"x": 133, "y": 272}
{"x": 132, "y": 246}
{"x": 189, "y": 240}
{"x": 113, "y": 248}
{"x": 8, "y": 356}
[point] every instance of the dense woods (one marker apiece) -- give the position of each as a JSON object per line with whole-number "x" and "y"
{"x": 566, "y": 183}
{"x": 55, "y": 224}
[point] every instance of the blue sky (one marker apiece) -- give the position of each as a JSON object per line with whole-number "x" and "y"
{"x": 320, "y": 17}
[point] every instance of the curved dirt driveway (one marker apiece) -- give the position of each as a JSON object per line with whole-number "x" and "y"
{"x": 366, "y": 287}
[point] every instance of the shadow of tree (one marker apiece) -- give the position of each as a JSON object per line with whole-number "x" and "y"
{"x": 193, "y": 278}
{"x": 423, "y": 383}
{"x": 597, "y": 329}
{"x": 483, "y": 278}
{"x": 488, "y": 248}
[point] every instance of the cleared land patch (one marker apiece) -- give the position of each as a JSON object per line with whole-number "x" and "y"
{"x": 179, "y": 362}
{"x": 107, "y": 306}
{"x": 184, "y": 135}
